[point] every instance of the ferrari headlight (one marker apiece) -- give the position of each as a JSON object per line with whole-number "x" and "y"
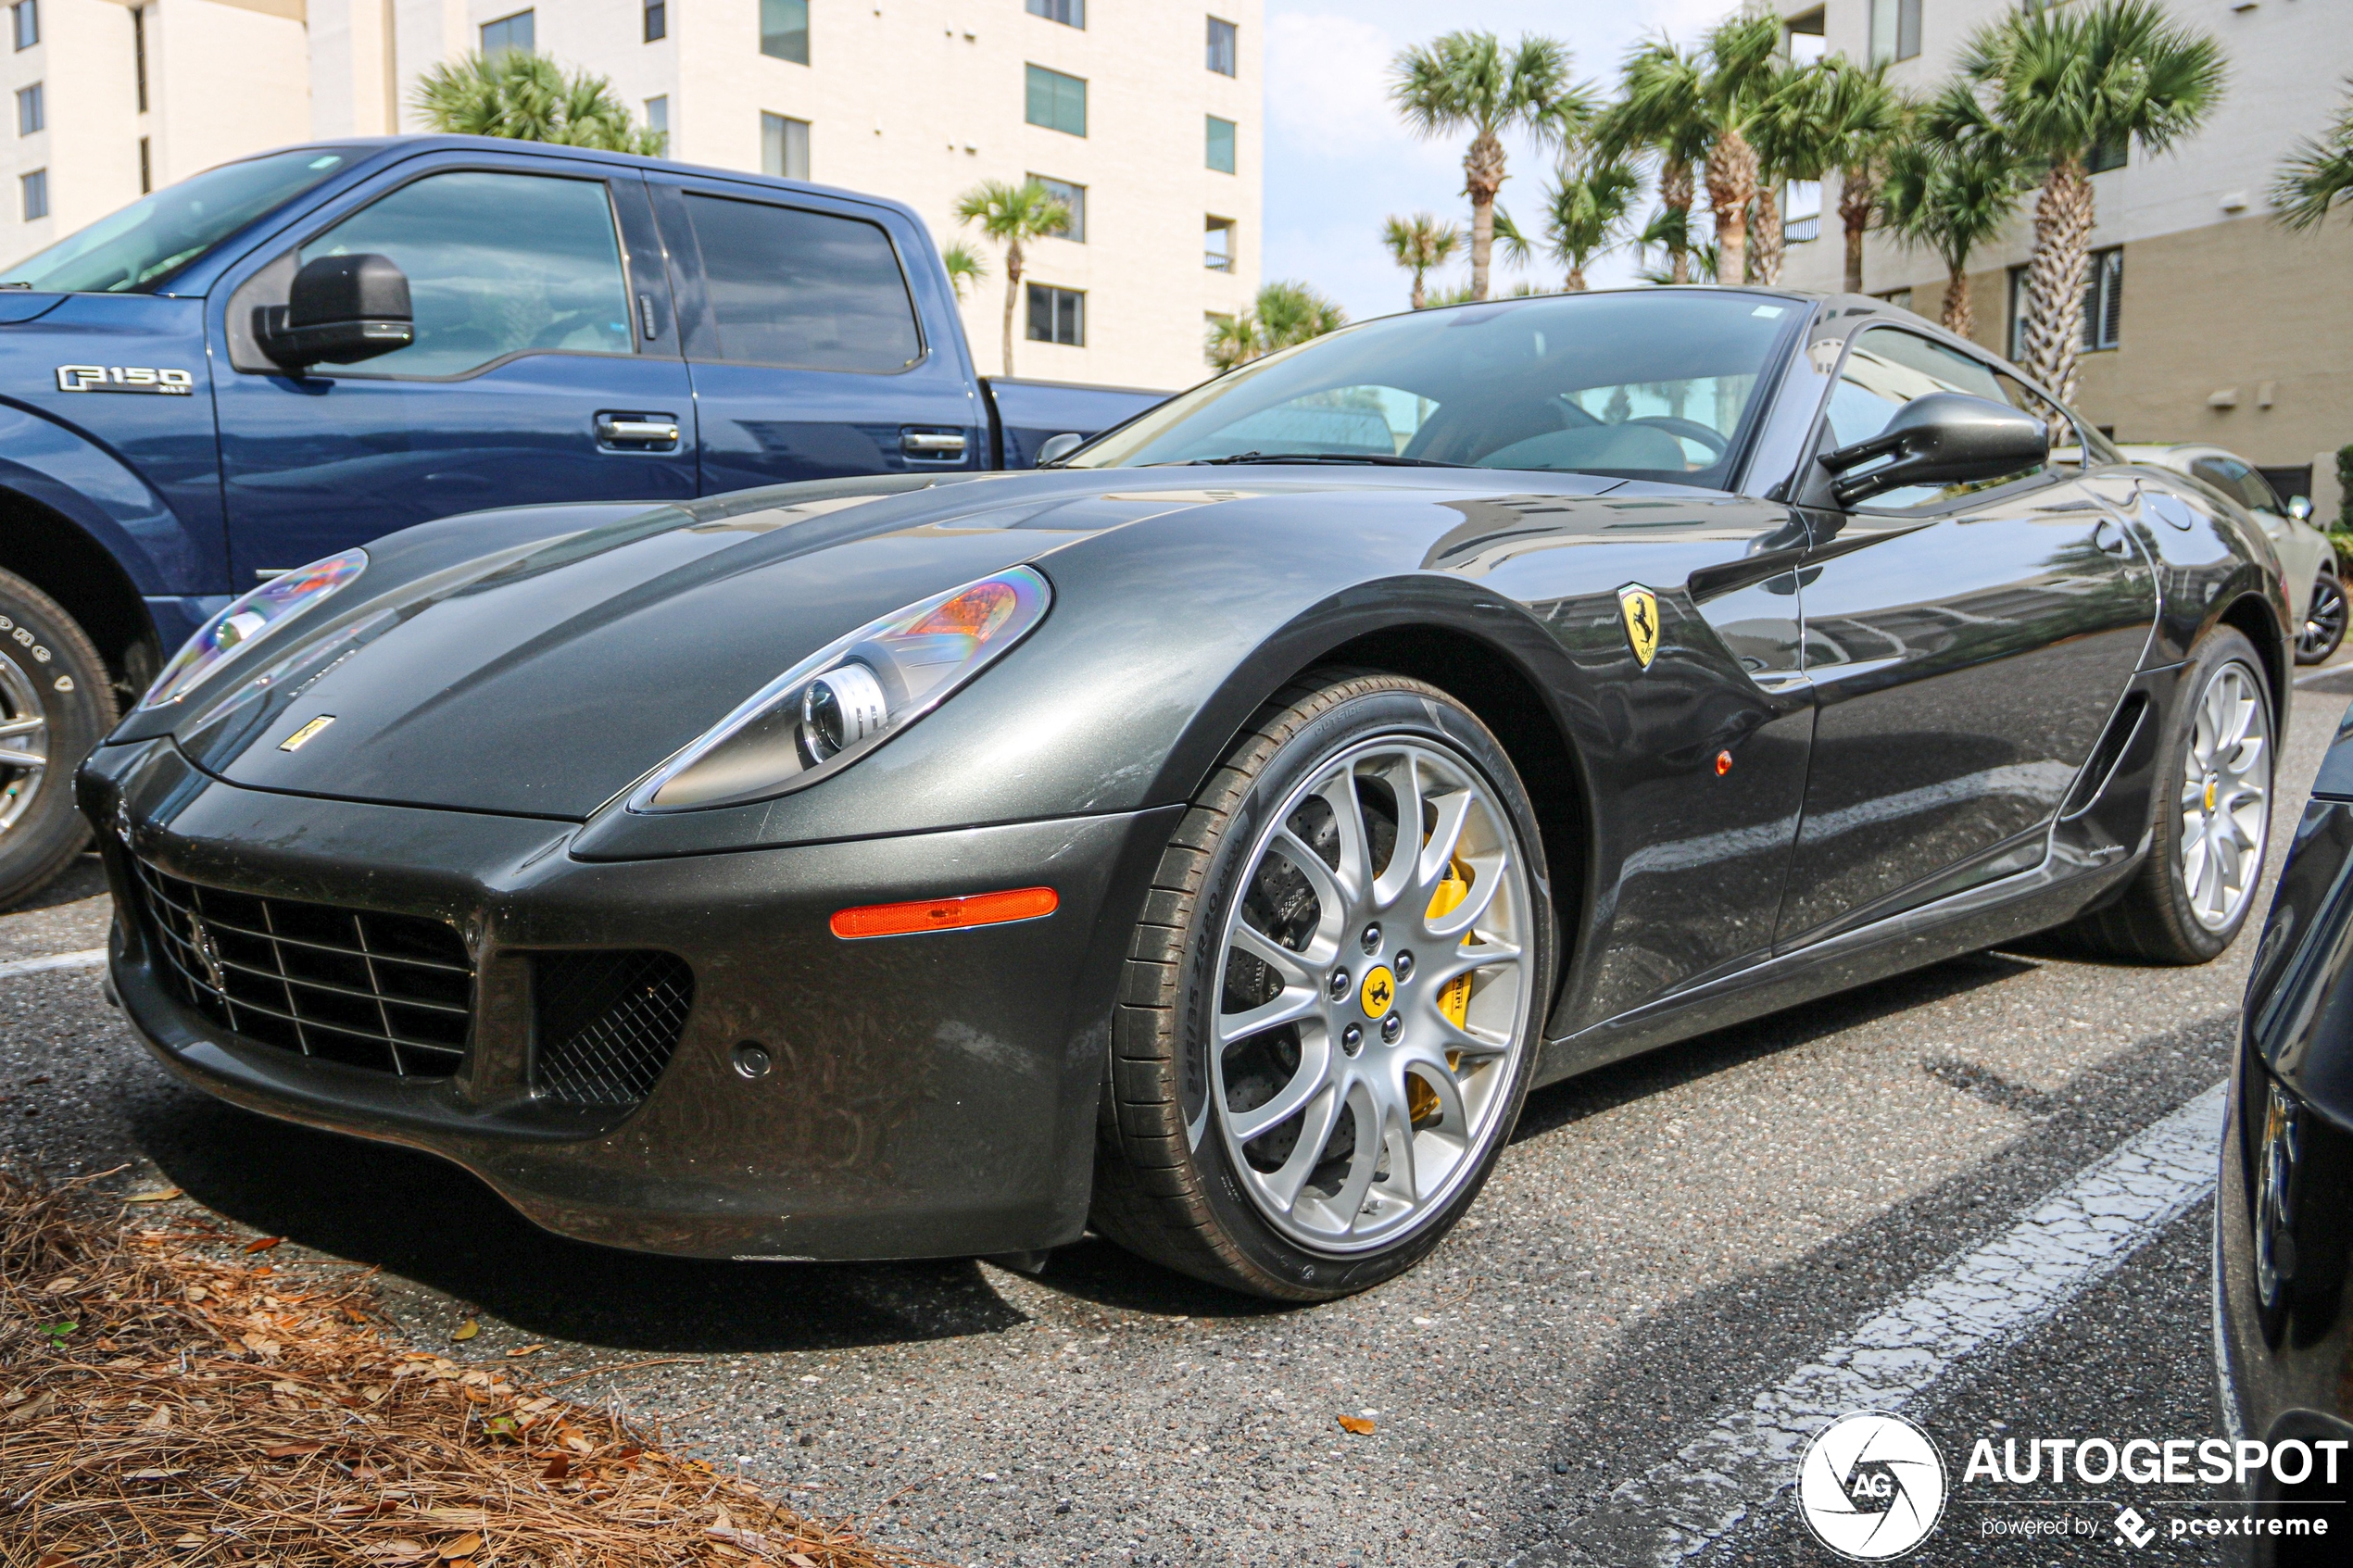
{"x": 250, "y": 619}
{"x": 847, "y": 699}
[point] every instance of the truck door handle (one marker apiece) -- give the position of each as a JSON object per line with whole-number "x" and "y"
{"x": 638, "y": 431}
{"x": 936, "y": 443}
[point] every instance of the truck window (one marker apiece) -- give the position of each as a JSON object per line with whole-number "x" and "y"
{"x": 498, "y": 265}
{"x": 803, "y": 290}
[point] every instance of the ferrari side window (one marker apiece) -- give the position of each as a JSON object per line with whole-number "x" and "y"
{"x": 498, "y": 265}
{"x": 804, "y": 290}
{"x": 1885, "y": 369}
{"x": 2070, "y": 441}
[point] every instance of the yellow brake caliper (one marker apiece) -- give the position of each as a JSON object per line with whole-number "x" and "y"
{"x": 1453, "y": 1000}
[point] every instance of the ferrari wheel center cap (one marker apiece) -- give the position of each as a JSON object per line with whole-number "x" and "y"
{"x": 2209, "y": 794}
{"x": 1380, "y": 992}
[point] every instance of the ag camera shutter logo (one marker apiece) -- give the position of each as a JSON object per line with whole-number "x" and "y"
{"x": 1872, "y": 1486}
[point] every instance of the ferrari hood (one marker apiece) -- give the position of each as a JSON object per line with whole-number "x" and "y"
{"x": 546, "y": 677}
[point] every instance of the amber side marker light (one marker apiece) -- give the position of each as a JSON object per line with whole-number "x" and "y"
{"x": 944, "y": 914}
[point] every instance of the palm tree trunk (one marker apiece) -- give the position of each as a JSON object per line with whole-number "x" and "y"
{"x": 2054, "y": 275}
{"x": 1766, "y": 256}
{"x": 1421, "y": 296}
{"x": 1482, "y": 176}
{"x": 1012, "y": 295}
{"x": 1674, "y": 195}
{"x": 1857, "y": 194}
{"x": 1959, "y": 319}
{"x": 1577, "y": 278}
{"x": 1732, "y": 184}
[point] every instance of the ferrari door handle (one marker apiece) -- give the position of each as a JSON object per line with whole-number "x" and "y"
{"x": 946, "y": 444}
{"x": 2109, "y": 538}
{"x": 637, "y": 430}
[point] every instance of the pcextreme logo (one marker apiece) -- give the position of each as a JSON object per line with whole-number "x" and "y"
{"x": 1872, "y": 1486}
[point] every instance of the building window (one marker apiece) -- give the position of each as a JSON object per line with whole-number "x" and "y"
{"x": 1895, "y": 30}
{"x": 1218, "y": 244}
{"x": 783, "y": 30}
{"x": 25, "y": 17}
{"x": 1057, "y": 102}
{"x": 1072, "y": 196}
{"x": 139, "y": 53}
{"x": 1221, "y": 144}
{"x": 29, "y": 115}
{"x": 35, "y": 186}
{"x": 1222, "y": 50}
{"x": 2108, "y": 155}
{"x": 507, "y": 32}
{"x": 658, "y": 120}
{"x": 1057, "y": 315}
{"x": 1070, "y": 13}
{"x": 146, "y": 169}
{"x": 657, "y": 21}
{"x": 1900, "y": 299}
{"x": 2104, "y": 299}
{"x": 784, "y": 146}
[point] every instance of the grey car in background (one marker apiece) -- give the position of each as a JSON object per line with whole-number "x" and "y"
{"x": 2308, "y": 561}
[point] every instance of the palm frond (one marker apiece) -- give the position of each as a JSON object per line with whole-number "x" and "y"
{"x": 2317, "y": 175}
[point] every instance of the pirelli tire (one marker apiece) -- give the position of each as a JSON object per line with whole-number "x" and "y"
{"x": 1409, "y": 972}
{"x": 56, "y": 702}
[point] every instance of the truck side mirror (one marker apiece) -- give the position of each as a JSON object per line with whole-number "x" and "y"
{"x": 1057, "y": 447}
{"x": 1943, "y": 438}
{"x": 340, "y": 309}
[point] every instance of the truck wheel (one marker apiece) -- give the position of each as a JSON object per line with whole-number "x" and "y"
{"x": 55, "y": 704}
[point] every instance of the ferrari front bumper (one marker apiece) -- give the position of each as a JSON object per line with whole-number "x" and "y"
{"x": 930, "y": 1096}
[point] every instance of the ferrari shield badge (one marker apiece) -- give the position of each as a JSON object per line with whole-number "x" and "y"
{"x": 1640, "y": 607}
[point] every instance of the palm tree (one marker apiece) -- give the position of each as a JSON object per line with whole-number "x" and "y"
{"x": 1742, "y": 70}
{"x": 2058, "y": 83}
{"x": 1836, "y": 116}
{"x": 2317, "y": 175}
{"x": 967, "y": 268}
{"x": 1418, "y": 244}
{"x": 1284, "y": 313}
{"x": 1586, "y": 208}
{"x": 1951, "y": 199}
{"x": 529, "y": 98}
{"x": 1012, "y": 215}
{"x": 1470, "y": 81}
{"x": 1660, "y": 110}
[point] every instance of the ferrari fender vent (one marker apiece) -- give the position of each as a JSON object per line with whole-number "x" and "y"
{"x": 605, "y": 1022}
{"x": 391, "y": 993}
{"x": 2101, "y": 766}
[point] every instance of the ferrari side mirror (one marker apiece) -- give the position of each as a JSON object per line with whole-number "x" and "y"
{"x": 340, "y": 309}
{"x": 1943, "y": 438}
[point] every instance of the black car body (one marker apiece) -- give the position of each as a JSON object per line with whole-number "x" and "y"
{"x": 1863, "y": 741}
{"x": 2284, "y": 1205}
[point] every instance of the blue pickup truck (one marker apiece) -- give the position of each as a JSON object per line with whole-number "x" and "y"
{"x": 299, "y": 352}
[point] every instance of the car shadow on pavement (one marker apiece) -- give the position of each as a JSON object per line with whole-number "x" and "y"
{"x": 417, "y": 1216}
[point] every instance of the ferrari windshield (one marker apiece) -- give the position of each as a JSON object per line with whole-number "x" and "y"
{"x": 1652, "y": 383}
{"x": 137, "y": 250}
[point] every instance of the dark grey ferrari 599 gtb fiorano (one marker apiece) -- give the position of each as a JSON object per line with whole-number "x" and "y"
{"x": 1211, "y": 839}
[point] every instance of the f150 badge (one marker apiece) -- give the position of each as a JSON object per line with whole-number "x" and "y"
{"x": 124, "y": 378}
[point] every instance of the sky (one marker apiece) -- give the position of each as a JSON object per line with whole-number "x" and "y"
{"x": 1339, "y": 159}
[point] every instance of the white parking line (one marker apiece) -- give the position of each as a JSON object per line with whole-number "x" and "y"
{"x": 89, "y": 957}
{"x": 1989, "y": 1298}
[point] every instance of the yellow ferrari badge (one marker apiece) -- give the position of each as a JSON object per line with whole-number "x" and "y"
{"x": 301, "y": 737}
{"x": 1640, "y": 607}
{"x": 1380, "y": 991}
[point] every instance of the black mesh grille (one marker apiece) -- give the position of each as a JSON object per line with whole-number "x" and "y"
{"x": 394, "y": 993}
{"x": 607, "y": 1023}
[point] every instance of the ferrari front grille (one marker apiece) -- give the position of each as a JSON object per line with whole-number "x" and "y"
{"x": 391, "y": 993}
{"x": 606, "y": 1023}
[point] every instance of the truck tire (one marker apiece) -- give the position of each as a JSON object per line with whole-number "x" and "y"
{"x": 56, "y": 702}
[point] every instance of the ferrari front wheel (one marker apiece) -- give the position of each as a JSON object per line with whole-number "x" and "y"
{"x": 1333, "y": 1002}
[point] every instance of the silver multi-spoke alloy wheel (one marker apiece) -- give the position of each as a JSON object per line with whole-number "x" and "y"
{"x": 2226, "y": 797}
{"x": 24, "y": 744}
{"x": 1375, "y": 979}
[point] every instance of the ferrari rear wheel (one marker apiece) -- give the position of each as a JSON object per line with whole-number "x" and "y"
{"x": 1332, "y": 1001}
{"x": 2192, "y": 895}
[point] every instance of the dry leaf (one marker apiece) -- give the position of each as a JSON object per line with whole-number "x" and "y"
{"x": 798, "y": 1561}
{"x": 458, "y": 1515}
{"x": 466, "y": 1330}
{"x": 165, "y": 1196}
{"x": 263, "y": 1244}
{"x": 291, "y": 1450}
{"x": 39, "y": 1407}
{"x": 526, "y": 1349}
{"x": 153, "y": 1474}
{"x": 1357, "y": 1425}
{"x": 192, "y": 1538}
{"x": 558, "y": 1468}
{"x": 464, "y": 1545}
{"x": 62, "y": 1283}
{"x": 157, "y": 1419}
{"x": 401, "y": 1551}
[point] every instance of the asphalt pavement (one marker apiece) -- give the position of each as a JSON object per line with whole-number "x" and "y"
{"x": 1666, "y": 1244}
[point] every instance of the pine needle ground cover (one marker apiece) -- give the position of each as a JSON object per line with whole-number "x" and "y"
{"x": 168, "y": 1395}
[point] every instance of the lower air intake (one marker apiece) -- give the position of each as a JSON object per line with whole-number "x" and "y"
{"x": 607, "y": 1023}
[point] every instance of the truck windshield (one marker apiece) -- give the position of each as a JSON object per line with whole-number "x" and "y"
{"x": 1655, "y": 384}
{"x": 137, "y": 250}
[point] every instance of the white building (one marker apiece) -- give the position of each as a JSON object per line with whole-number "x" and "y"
{"x": 1146, "y": 116}
{"x": 2208, "y": 320}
